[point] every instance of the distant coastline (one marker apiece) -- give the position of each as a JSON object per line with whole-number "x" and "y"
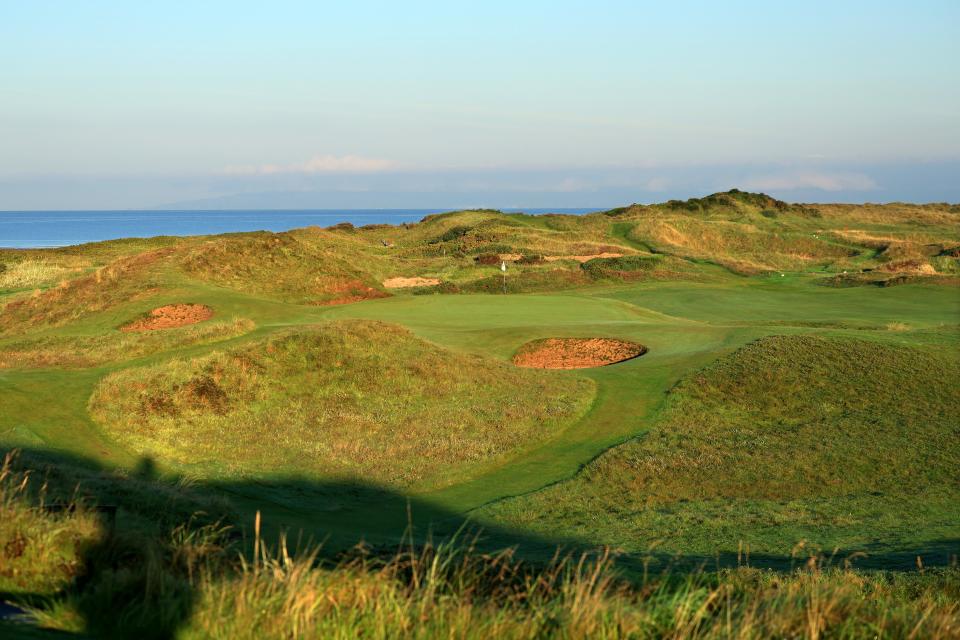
{"x": 46, "y": 229}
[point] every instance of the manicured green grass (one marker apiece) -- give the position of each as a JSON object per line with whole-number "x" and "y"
{"x": 60, "y": 350}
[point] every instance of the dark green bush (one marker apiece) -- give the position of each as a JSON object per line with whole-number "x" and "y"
{"x": 453, "y": 233}
{"x": 618, "y": 267}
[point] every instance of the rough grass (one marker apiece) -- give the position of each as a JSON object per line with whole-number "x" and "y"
{"x": 741, "y": 247}
{"x": 189, "y": 580}
{"x": 834, "y": 441}
{"x": 123, "y": 280}
{"x": 39, "y": 551}
{"x": 30, "y": 273}
{"x": 348, "y": 398}
{"x": 299, "y": 267}
{"x": 115, "y": 346}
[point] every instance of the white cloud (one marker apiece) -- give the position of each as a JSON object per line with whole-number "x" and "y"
{"x": 811, "y": 180}
{"x": 316, "y": 164}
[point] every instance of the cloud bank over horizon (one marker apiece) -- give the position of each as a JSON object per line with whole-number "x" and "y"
{"x": 377, "y": 104}
{"x": 504, "y": 187}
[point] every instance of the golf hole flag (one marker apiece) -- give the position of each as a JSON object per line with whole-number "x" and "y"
{"x": 503, "y": 265}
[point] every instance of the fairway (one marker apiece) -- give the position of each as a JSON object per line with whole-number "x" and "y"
{"x": 685, "y": 326}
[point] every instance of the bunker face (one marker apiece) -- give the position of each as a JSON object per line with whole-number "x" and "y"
{"x": 576, "y": 353}
{"x": 170, "y": 317}
{"x": 403, "y": 283}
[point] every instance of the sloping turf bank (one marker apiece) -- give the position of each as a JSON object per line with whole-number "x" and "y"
{"x": 831, "y": 441}
{"x": 341, "y": 399}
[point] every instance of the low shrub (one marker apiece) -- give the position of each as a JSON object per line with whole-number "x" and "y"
{"x": 531, "y": 258}
{"x": 619, "y": 267}
{"x": 453, "y": 233}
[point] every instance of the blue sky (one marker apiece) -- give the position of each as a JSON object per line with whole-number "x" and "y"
{"x": 128, "y": 105}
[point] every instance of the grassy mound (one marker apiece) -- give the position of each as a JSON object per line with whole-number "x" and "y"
{"x": 833, "y": 441}
{"x": 59, "y": 350}
{"x": 348, "y": 399}
{"x": 305, "y": 267}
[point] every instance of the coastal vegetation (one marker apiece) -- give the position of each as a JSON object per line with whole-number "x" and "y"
{"x": 728, "y": 416}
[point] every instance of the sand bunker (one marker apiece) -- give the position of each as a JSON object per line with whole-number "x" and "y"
{"x": 583, "y": 258}
{"x": 576, "y": 353}
{"x": 402, "y": 283}
{"x": 170, "y": 317}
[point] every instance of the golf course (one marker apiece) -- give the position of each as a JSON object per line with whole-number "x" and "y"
{"x": 698, "y": 397}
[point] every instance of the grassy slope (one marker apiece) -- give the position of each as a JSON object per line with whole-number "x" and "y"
{"x": 838, "y": 442}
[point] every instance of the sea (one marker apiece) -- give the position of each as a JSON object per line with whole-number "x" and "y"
{"x": 38, "y": 229}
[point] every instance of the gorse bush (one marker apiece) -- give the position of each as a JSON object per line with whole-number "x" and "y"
{"x": 621, "y": 266}
{"x": 453, "y": 233}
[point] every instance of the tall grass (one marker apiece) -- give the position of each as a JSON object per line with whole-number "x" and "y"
{"x": 190, "y": 581}
{"x": 39, "y": 550}
{"x": 30, "y": 273}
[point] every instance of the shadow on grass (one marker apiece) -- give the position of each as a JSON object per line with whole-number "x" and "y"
{"x": 134, "y": 580}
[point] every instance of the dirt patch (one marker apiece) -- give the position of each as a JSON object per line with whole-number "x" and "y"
{"x": 171, "y": 316}
{"x": 576, "y": 353}
{"x": 403, "y": 283}
{"x": 583, "y": 258}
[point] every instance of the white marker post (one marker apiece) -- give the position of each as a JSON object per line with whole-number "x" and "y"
{"x": 503, "y": 269}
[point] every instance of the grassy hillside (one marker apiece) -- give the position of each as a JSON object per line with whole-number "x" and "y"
{"x": 342, "y": 399}
{"x": 836, "y": 442}
{"x": 773, "y": 423}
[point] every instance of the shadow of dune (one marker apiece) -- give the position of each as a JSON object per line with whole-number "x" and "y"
{"x": 335, "y": 514}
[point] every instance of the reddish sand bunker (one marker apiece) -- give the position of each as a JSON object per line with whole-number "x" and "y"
{"x": 170, "y": 317}
{"x": 403, "y": 283}
{"x": 576, "y": 353}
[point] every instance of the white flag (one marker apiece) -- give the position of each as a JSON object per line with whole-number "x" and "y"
{"x": 503, "y": 265}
